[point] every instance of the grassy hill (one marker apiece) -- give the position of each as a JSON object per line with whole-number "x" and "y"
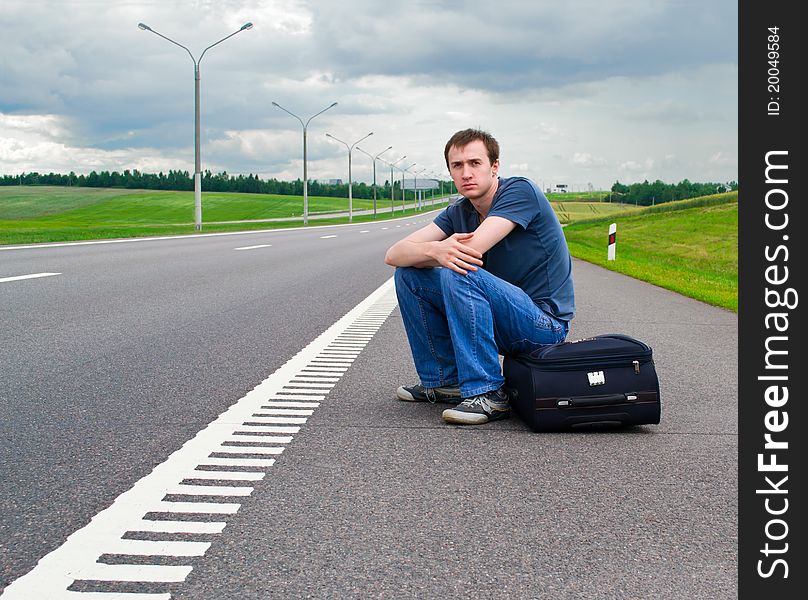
{"x": 689, "y": 246}
{"x": 30, "y": 214}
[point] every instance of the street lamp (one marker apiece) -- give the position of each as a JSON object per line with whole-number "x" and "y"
{"x": 418, "y": 203}
{"x": 197, "y": 159}
{"x": 403, "y": 195}
{"x": 350, "y": 180}
{"x": 305, "y": 166}
{"x": 374, "y": 158}
{"x": 392, "y": 183}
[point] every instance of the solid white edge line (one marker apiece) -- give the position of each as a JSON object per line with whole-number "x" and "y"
{"x": 185, "y": 236}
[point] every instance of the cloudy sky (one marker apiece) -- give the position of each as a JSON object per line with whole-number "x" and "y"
{"x": 578, "y": 92}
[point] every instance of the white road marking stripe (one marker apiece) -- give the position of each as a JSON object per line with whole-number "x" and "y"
{"x": 209, "y": 490}
{"x": 57, "y": 571}
{"x": 254, "y": 247}
{"x": 265, "y": 439}
{"x": 179, "y": 526}
{"x": 21, "y": 277}
{"x": 161, "y": 573}
{"x": 275, "y": 421}
{"x": 311, "y": 385}
{"x": 155, "y": 548}
{"x": 285, "y": 411}
{"x": 286, "y": 396}
{"x": 250, "y": 449}
{"x": 283, "y": 403}
{"x": 365, "y": 231}
{"x": 325, "y": 237}
{"x": 267, "y": 428}
{"x": 238, "y": 462}
{"x": 230, "y": 475}
{"x": 194, "y": 508}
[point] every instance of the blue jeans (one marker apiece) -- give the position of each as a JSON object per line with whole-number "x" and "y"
{"x": 458, "y": 325}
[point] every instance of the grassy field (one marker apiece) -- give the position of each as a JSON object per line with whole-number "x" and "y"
{"x": 690, "y": 246}
{"x": 31, "y": 214}
{"x": 571, "y": 211}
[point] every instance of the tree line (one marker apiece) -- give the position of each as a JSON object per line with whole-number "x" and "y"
{"x": 220, "y": 182}
{"x": 646, "y": 194}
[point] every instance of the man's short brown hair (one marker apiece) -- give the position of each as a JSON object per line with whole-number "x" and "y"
{"x": 461, "y": 139}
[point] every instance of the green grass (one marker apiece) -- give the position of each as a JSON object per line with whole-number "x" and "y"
{"x": 572, "y": 211}
{"x": 35, "y": 214}
{"x": 690, "y": 246}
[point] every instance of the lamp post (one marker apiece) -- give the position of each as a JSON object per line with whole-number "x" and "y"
{"x": 392, "y": 183}
{"x": 403, "y": 195}
{"x": 418, "y": 202}
{"x": 197, "y": 144}
{"x": 305, "y": 165}
{"x": 350, "y": 180}
{"x": 374, "y": 158}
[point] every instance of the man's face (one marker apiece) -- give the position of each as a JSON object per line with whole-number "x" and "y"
{"x": 471, "y": 170}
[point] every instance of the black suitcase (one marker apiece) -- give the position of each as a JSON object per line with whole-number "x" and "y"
{"x": 599, "y": 382}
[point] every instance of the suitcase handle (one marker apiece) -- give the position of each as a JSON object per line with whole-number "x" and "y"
{"x": 597, "y": 400}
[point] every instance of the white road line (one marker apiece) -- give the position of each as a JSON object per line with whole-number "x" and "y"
{"x": 365, "y": 231}
{"x": 325, "y": 237}
{"x": 258, "y": 412}
{"x": 161, "y": 573}
{"x": 21, "y": 277}
{"x": 175, "y": 237}
{"x": 254, "y": 247}
{"x": 180, "y": 526}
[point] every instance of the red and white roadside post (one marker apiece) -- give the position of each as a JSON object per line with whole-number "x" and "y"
{"x": 612, "y": 240}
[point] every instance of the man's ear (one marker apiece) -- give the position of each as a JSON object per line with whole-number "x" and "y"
{"x": 495, "y": 168}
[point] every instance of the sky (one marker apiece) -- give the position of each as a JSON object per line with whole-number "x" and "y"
{"x": 582, "y": 92}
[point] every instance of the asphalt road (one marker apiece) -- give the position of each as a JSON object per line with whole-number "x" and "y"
{"x": 110, "y": 367}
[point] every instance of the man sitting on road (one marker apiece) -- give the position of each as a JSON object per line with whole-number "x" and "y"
{"x": 505, "y": 286}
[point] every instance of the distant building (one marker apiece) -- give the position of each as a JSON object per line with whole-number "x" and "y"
{"x": 560, "y": 187}
{"x": 334, "y": 182}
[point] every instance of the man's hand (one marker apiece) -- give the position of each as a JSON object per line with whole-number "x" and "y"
{"x": 454, "y": 253}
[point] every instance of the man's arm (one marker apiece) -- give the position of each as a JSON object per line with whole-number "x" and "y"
{"x": 431, "y": 247}
{"x": 461, "y": 252}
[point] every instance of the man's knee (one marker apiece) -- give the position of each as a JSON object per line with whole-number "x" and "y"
{"x": 414, "y": 278}
{"x": 453, "y": 280}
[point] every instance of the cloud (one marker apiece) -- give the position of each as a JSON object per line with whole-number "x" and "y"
{"x": 572, "y": 90}
{"x": 585, "y": 159}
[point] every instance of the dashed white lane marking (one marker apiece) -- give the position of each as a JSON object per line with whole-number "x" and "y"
{"x": 325, "y": 237}
{"x": 254, "y": 247}
{"x": 33, "y": 276}
{"x": 365, "y": 231}
{"x": 224, "y": 461}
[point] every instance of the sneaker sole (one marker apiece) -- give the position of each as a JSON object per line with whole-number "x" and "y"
{"x": 464, "y": 418}
{"x": 404, "y": 395}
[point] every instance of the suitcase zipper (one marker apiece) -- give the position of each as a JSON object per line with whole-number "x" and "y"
{"x": 596, "y": 400}
{"x": 598, "y": 361}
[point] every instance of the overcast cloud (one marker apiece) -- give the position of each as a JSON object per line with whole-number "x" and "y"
{"x": 579, "y": 92}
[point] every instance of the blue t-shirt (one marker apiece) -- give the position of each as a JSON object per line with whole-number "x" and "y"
{"x": 534, "y": 256}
